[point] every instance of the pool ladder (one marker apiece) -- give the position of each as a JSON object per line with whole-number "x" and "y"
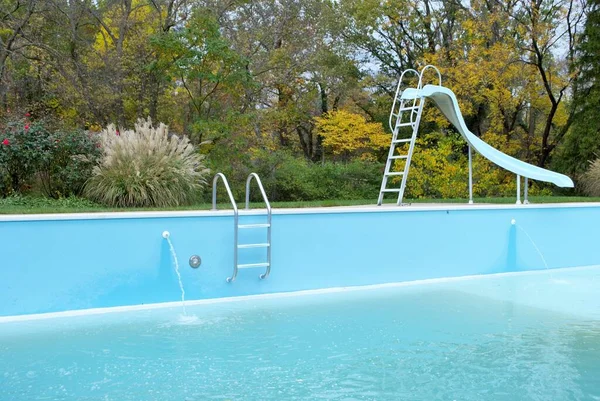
{"x": 237, "y": 226}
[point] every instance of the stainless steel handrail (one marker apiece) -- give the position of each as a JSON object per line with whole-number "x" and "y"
{"x": 266, "y": 200}
{"x": 235, "y": 219}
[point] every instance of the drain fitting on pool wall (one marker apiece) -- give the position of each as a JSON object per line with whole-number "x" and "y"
{"x": 166, "y": 234}
{"x": 195, "y": 261}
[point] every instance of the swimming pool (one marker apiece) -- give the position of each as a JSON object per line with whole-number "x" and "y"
{"x": 430, "y": 302}
{"x": 533, "y": 335}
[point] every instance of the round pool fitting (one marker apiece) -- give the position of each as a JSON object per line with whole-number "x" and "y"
{"x": 195, "y": 261}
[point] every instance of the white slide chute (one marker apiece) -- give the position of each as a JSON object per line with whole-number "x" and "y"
{"x": 410, "y": 101}
{"x": 446, "y": 102}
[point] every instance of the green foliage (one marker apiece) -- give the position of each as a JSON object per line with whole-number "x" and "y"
{"x": 146, "y": 167}
{"x": 211, "y": 77}
{"x": 18, "y": 203}
{"x": 582, "y": 142}
{"x": 24, "y": 148}
{"x": 244, "y": 76}
{"x": 590, "y": 180}
{"x": 69, "y": 163}
{"x": 287, "y": 178}
{"x": 31, "y": 155}
{"x": 439, "y": 170}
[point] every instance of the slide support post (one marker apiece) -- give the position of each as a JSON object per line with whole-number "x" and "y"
{"x": 470, "y": 177}
{"x": 525, "y": 190}
{"x": 518, "y": 189}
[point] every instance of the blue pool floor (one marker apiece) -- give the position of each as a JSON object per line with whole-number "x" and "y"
{"x": 530, "y": 336}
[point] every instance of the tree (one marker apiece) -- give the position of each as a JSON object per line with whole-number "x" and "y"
{"x": 14, "y": 21}
{"x": 207, "y": 72}
{"x": 582, "y": 142}
{"x": 546, "y": 25}
{"x": 347, "y": 134}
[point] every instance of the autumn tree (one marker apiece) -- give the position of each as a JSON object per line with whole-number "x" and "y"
{"x": 346, "y": 134}
{"x": 207, "y": 73}
{"x": 15, "y": 19}
{"x": 582, "y": 141}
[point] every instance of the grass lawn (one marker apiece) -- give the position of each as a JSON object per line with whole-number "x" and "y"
{"x": 31, "y": 205}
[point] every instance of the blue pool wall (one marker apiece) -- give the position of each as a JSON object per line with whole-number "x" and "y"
{"x": 55, "y": 263}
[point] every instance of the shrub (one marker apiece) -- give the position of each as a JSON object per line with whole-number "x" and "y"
{"x": 62, "y": 161}
{"x": 590, "y": 180}
{"x": 24, "y": 147}
{"x": 146, "y": 167}
{"x": 440, "y": 170}
{"x": 287, "y": 178}
{"x": 69, "y": 164}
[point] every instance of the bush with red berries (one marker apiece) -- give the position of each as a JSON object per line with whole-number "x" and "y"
{"x": 57, "y": 163}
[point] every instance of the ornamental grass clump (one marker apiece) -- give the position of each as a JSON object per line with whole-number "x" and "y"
{"x": 590, "y": 180}
{"x": 146, "y": 167}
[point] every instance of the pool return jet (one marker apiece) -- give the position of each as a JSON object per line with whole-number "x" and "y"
{"x": 405, "y": 117}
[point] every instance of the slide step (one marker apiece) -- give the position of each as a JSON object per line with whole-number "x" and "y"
{"x": 254, "y": 225}
{"x": 405, "y": 125}
{"x": 245, "y": 246}
{"x": 391, "y": 190}
{"x": 251, "y": 265}
{"x": 402, "y": 140}
{"x": 394, "y": 173}
{"x": 399, "y": 157}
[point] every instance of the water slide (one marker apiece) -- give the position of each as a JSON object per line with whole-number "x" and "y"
{"x": 446, "y": 101}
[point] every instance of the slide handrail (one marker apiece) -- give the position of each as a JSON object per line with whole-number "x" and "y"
{"x": 420, "y": 85}
{"x": 397, "y": 94}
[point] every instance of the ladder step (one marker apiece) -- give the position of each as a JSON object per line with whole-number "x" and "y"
{"x": 405, "y": 125}
{"x": 391, "y": 190}
{"x": 263, "y": 245}
{"x": 402, "y": 140}
{"x": 394, "y": 173}
{"x": 409, "y": 108}
{"x": 399, "y": 157}
{"x": 251, "y": 265}
{"x": 254, "y": 225}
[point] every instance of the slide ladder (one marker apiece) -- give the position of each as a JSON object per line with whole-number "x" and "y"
{"x": 237, "y": 247}
{"x": 405, "y": 115}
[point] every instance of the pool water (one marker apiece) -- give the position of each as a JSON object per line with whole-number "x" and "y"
{"x": 533, "y": 336}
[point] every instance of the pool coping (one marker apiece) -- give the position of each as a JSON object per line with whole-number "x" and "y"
{"x": 387, "y": 208}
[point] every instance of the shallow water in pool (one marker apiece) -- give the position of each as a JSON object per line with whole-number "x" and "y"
{"x": 533, "y": 336}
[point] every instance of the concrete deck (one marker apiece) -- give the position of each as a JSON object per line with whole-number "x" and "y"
{"x": 386, "y": 208}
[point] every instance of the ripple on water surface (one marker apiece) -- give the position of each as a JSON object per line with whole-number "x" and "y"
{"x": 525, "y": 337}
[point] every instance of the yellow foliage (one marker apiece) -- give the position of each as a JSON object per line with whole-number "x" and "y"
{"x": 439, "y": 169}
{"x": 349, "y": 134}
{"x": 138, "y": 21}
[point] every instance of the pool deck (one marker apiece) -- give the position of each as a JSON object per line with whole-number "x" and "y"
{"x": 386, "y": 208}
